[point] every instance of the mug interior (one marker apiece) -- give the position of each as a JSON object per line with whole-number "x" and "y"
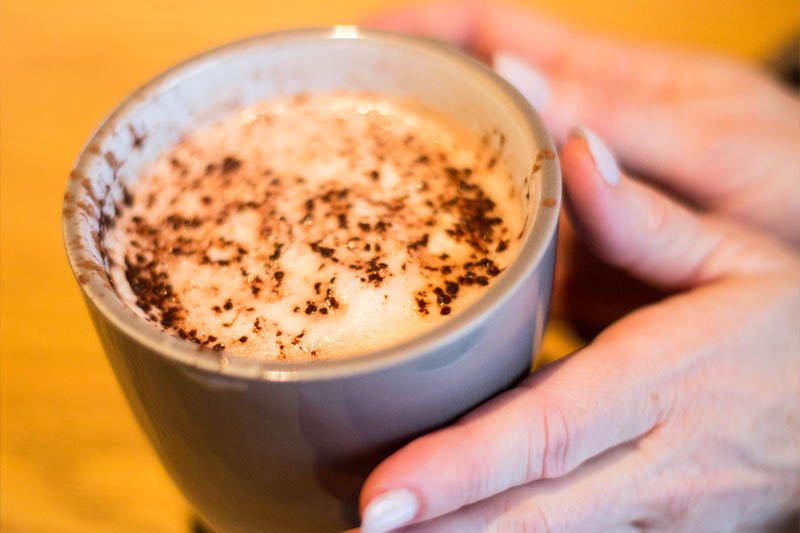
{"x": 206, "y": 89}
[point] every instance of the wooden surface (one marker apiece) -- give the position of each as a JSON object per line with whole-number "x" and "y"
{"x": 72, "y": 458}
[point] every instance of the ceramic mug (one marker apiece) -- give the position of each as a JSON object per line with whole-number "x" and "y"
{"x": 264, "y": 446}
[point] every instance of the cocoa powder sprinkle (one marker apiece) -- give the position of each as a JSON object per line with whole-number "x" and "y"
{"x": 384, "y": 220}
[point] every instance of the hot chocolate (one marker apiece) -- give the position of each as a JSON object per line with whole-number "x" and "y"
{"x": 315, "y": 227}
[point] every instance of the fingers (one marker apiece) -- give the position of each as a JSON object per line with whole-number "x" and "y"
{"x": 561, "y": 416}
{"x": 633, "y": 227}
{"x": 600, "y": 495}
{"x": 733, "y": 151}
{"x": 690, "y": 121}
{"x": 588, "y": 292}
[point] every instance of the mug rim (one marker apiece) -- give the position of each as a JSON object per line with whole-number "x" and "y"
{"x": 541, "y": 235}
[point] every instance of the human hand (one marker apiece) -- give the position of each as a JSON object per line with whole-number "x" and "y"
{"x": 681, "y": 416}
{"x": 704, "y": 126}
{"x": 718, "y": 132}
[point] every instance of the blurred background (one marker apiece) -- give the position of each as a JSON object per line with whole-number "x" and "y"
{"x": 71, "y": 455}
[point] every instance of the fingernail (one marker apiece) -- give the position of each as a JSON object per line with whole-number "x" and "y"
{"x": 603, "y": 158}
{"x": 527, "y": 79}
{"x": 388, "y": 511}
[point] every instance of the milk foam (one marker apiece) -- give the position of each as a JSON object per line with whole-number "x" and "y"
{"x": 315, "y": 227}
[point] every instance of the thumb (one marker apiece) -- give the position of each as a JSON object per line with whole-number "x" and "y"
{"x": 634, "y": 227}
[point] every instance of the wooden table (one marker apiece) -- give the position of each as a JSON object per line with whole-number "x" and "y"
{"x": 73, "y": 458}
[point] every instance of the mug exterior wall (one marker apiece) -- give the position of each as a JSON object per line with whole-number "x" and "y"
{"x": 291, "y": 456}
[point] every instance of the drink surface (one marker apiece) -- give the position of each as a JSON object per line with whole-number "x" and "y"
{"x": 315, "y": 227}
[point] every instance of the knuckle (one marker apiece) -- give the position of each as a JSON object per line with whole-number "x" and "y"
{"x": 557, "y": 442}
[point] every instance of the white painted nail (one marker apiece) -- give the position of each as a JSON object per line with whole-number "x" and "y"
{"x": 529, "y": 81}
{"x": 388, "y": 511}
{"x": 603, "y": 158}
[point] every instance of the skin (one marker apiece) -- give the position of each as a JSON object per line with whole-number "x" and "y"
{"x": 683, "y": 414}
